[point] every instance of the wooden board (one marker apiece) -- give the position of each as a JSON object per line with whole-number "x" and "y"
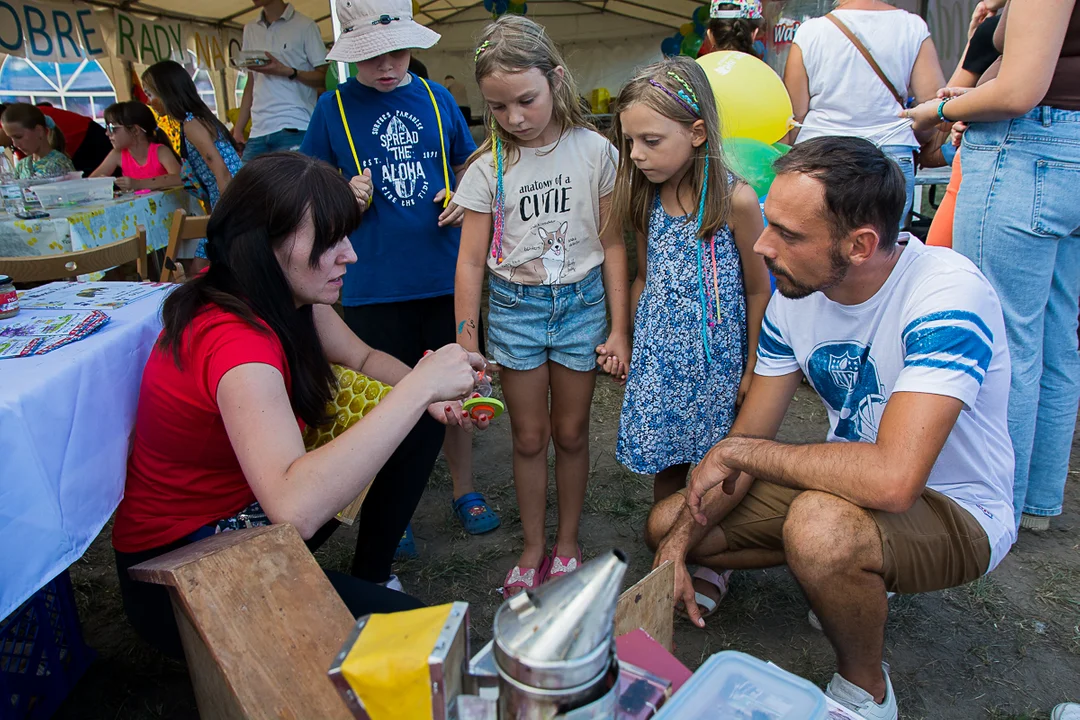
{"x": 649, "y": 604}
{"x": 260, "y": 621}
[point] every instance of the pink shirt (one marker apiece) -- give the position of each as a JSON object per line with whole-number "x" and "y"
{"x": 152, "y": 169}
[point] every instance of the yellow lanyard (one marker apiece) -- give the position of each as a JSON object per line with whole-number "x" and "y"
{"x": 442, "y": 139}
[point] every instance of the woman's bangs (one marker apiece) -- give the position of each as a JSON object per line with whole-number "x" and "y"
{"x": 335, "y": 212}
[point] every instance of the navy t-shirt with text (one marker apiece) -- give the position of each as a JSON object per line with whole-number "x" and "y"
{"x": 402, "y": 252}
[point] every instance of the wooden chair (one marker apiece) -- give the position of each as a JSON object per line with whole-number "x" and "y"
{"x": 260, "y": 623}
{"x": 184, "y": 227}
{"x": 81, "y": 262}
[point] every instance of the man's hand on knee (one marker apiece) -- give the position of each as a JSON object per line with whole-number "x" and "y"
{"x": 710, "y": 472}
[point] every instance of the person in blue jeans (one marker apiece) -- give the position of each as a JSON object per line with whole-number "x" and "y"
{"x": 281, "y": 91}
{"x": 1018, "y": 220}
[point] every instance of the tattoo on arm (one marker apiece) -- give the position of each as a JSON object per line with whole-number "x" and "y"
{"x": 466, "y": 326}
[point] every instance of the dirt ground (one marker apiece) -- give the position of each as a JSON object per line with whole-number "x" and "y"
{"x": 1006, "y": 646}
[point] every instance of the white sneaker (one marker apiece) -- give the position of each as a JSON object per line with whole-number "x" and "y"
{"x": 1066, "y": 711}
{"x": 861, "y": 702}
{"x": 394, "y": 583}
{"x": 816, "y": 624}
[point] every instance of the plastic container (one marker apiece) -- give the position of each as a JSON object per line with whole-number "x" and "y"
{"x": 42, "y": 653}
{"x": 735, "y": 686}
{"x": 9, "y": 298}
{"x": 74, "y": 192}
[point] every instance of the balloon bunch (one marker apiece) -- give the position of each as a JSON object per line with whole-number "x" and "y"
{"x": 687, "y": 41}
{"x": 502, "y": 7}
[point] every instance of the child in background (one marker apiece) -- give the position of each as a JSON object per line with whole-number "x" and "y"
{"x": 207, "y": 148}
{"x": 542, "y": 182}
{"x": 38, "y": 138}
{"x": 403, "y": 142}
{"x": 701, "y": 291}
{"x": 140, "y": 149}
{"x": 736, "y": 25}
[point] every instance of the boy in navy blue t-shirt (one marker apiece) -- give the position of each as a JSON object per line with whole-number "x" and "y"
{"x": 402, "y": 140}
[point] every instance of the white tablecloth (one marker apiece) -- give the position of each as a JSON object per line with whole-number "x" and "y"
{"x": 65, "y": 422}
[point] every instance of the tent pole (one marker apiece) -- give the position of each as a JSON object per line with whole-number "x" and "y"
{"x": 342, "y": 68}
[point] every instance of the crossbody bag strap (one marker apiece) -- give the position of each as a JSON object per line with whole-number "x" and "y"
{"x": 868, "y": 57}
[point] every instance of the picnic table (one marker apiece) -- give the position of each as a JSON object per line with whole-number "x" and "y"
{"x": 88, "y": 226}
{"x": 66, "y": 420}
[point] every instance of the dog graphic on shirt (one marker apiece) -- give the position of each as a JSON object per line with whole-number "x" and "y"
{"x": 553, "y": 256}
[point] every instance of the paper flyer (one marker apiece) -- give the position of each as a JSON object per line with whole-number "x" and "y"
{"x": 88, "y": 295}
{"x": 36, "y": 333}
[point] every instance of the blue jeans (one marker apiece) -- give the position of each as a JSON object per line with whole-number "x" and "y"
{"x": 1018, "y": 219}
{"x": 902, "y": 155}
{"x": 279, "y": 141}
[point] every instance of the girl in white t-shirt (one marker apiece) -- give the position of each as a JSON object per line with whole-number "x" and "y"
{"x": 535, "y": 196}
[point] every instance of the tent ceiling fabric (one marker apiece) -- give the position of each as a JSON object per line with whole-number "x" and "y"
{"x": 645, "y": 16}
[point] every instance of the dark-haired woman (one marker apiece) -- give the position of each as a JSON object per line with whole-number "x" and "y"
{"x": 140, "y": 150}
{"x": 208, "y": 149}
{"x": 736, "y": 25}
{"x": 242, "y": 365}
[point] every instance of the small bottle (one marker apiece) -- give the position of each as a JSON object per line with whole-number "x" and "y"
{"x": 9, "y": 298}
{"x": 483, "y": 384}
{"x": 10, "y": 192}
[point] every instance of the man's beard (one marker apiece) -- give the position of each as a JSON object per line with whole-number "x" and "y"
{"x": 796, "y": 290}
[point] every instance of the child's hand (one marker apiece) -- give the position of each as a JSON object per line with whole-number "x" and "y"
{"x": 124, "y": 183}
{"x": 363, "y": 188}
{"x": 613, "y": 357}
{"x": 452, "y": 215}
{"x": 744, "y": 387}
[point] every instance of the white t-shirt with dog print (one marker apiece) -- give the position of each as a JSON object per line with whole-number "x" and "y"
{"x": 551, "y": 233}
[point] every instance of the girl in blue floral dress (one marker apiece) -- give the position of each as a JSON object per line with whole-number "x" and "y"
{"x": 701, "y": 291}
{"x": 209, "y": 153}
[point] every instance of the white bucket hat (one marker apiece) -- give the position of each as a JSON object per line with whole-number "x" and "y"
{"x": 375, "y": 27}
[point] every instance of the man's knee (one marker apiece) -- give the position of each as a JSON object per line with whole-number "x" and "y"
{"x": 662, "y": 517}
{"x": 824, "y": 532}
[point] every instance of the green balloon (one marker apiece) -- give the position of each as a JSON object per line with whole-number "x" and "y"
{"x": 752, "y": 161}
{"x": 691, "y": 44}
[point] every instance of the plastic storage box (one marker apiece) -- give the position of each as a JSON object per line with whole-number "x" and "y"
{"x": 74, "y": 192}
{"x": 42, "y": 653}
{"x": 735, "y": 686}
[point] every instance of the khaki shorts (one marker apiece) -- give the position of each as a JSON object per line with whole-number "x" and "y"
{"x": 935, "y": 545}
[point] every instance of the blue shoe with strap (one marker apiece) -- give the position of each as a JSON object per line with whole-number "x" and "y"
{"x": 406, "y": 548}
{"x": 475, "y": 514}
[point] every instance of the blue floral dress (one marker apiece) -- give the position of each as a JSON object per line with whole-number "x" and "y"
{"x": 678, "y": 404}
{"x": 199, "y": 178}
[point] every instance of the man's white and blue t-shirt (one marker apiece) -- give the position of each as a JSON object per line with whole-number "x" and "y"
{"x": 934, "y": 327}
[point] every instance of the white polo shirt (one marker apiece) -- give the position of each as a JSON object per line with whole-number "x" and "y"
{"x": 278, "y": 103}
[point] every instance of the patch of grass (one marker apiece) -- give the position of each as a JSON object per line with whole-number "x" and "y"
{"x": 1060, "y": 586}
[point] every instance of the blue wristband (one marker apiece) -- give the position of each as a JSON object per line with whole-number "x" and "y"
{"x": 941, "y": 111}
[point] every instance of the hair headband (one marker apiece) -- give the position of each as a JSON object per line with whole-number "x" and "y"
{"x": 480, "y": 50}
{"x": 687, "y": 98}
{"x": 49, "y": 122}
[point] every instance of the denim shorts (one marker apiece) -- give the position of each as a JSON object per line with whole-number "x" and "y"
{"x": 531, "y": 324}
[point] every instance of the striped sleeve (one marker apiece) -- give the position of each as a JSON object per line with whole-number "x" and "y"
{"x": 774, "y": 354}
{"x": 946, "y": 352}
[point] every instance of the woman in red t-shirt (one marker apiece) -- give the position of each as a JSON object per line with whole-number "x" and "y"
{"x": 242, "y": 364}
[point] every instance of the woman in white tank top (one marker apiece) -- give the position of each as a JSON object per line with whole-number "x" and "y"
{"x": 835, "y": 91}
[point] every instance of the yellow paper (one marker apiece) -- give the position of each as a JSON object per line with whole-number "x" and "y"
{"x": 387, "y": 667}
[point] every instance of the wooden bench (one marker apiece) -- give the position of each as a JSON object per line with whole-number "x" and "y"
{"x": 261, "y": 623}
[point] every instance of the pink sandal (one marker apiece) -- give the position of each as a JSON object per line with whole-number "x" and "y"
{"x": 518, "y": 580}
{"x": 560, "y": 565}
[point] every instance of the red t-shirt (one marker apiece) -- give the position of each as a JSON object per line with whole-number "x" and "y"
{"x": 183, "y": 473}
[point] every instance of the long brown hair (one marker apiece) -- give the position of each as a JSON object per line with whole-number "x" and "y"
{"x": 634, "y": 194}
{"x": 515, "y": 44}
{"x": 134, "y": 114}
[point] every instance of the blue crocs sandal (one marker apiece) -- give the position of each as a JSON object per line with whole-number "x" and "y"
{"x": 406, "y": 547}
{"x": 473, "y": 512}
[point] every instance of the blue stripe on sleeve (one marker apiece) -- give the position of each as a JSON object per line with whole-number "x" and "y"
{"x": 949, "y": 347}
{"x": 771, "y": 344}
{"x": 956, "y": 316}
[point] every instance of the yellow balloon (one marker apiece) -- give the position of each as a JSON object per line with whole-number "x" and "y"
{"x": 751, "y": 98}
{"x": 686, "y": 29}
